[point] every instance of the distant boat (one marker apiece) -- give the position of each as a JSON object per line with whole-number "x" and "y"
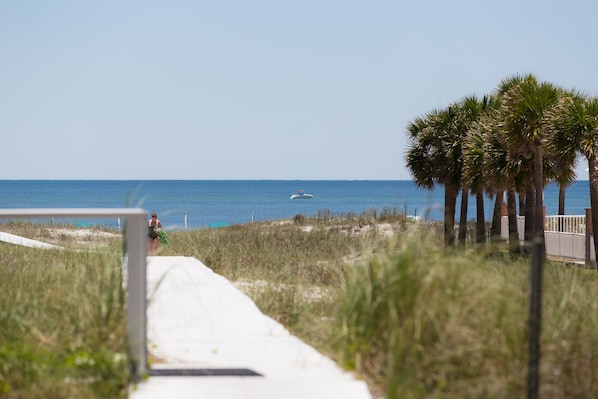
{"x": 301, "y": 195}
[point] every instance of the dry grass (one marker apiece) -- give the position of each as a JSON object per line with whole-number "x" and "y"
{"x": 380, "y": 297}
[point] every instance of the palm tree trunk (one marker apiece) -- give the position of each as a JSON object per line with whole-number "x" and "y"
{"x": 594, "y": 199}
{"x": 561, "y": 199}
{"x": 530, "y": 213}
{"x": 512, "y": 215}
{"x": 450, "y": 204}
{"x": 496, "y": 218}
{"x": 480, "y": 219}
{"x": 463, "y": 217}
{"x": 539, "y": 190}
{"x": 561, "y": 205}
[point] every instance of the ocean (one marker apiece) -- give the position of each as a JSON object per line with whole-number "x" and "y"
{"x": 195, "y": 204}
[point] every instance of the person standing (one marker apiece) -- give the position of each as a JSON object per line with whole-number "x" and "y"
{"x": 153, "y": 226}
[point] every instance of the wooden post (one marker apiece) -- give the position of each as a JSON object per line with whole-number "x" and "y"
{"x": 136, "y": 290}
{"x": 535, "y": 319}
{"x": 589, "y": 234}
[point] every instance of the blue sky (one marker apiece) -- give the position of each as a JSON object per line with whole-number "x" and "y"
{"x": 260, "y": 89}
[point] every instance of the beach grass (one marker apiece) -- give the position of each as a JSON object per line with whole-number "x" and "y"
{"x": 380, "y": 296}
{"x": 414, "y": 320}
{"x": 62, "y": 323}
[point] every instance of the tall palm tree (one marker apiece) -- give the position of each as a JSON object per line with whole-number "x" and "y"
{"x": 473, "y": 174}
{"x": 524, "y": 109}
{"x": 576, "y": 118}
{"x": 503, "y": 165}
{"x": 434, "y": 157}
{"x": 502, "y": 174}
{"x": 473, "y": 151}
{"x": 420, "y": 152}
{"x": 562, "y": 150}
{"x": 469, "y": 110}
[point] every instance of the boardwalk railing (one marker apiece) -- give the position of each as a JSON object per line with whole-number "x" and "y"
{"x": 565, "y": 237}
{"x": 136, "y": 244}
{"x": 574, "y": 224}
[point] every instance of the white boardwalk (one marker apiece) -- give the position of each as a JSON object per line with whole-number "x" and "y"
{"x": 198, "y": 320}
{"x": 25, "y": 242}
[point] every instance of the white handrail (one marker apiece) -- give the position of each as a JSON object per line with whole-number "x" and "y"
{"x": 575, "y": 224}
{"x": 136, "y": 244}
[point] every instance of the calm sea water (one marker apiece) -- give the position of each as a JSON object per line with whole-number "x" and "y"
{"x": 214, "y": 202}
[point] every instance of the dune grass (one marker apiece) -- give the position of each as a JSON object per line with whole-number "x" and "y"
{"x": 381, "y": 297}
{"x": 291, "y": 269}
{"x": 62, "y": 325}
{"x": 412, "y": 319}
{"x": 428, "y": 325}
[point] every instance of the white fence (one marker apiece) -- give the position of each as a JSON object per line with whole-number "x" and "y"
{"x": 136, "y": 244}
{"x": 575, "y": 224}
{"x": 564, "y": 235}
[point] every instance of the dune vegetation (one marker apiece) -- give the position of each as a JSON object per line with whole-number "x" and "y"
{"x": 379, "y": 295}
{"x": 62, "y": 326}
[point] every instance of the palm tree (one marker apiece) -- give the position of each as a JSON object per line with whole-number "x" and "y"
{"x": 502, "y": 165}
{"x": 473, "y": 151}
{"x": 434, "y": 157}
{"x": 576, "y": 119}
{"x": 420, "y": 153}
{"x": 473, "y": 173}
{"x": 563, "y": 150}
{"x": 502, "y": 174}
{"x": 524, "y": 109}
{"x": 469, "y": 111}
